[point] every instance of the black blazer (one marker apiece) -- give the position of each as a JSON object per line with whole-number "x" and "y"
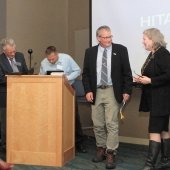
{"x": 120, "y": 71}
{"x": 158, "y": 102}
{"x": 5, "y": 68}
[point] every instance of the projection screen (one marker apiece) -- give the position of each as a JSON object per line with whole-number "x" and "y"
{"x": 127, "y": 20}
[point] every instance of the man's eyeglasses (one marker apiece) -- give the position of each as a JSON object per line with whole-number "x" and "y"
{"x": 108, "y": 37}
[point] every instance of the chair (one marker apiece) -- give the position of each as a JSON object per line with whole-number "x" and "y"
{"x": 80, "y": 93}
{"x": 82, "y": 102}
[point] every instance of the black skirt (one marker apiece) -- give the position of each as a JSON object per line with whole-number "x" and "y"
{"x": 158, "y": 124}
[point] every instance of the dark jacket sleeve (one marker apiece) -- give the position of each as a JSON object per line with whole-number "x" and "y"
{"x": 2, "y": 76}
{"x": 162, "y": 69}
{"x": 86, "y": 73}
{"x": 126, "y": 71}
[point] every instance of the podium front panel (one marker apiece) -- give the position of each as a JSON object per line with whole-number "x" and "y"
{"x": 35, "y": 117}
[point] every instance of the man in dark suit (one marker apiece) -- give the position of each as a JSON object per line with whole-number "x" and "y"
{"x": 107, "y": 81}
{"x": 10, "y": 62}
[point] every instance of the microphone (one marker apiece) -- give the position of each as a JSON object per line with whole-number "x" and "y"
{"x": 30, "y": 51}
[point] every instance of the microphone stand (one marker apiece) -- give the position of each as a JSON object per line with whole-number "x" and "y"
{"x": 31, "y": 70}
{"x": 30, "y": 52}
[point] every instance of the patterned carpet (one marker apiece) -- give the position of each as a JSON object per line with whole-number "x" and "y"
{"x": 130, "y": 157}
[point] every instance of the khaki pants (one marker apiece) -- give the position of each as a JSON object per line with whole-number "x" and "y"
{"x": 105, "y": 119}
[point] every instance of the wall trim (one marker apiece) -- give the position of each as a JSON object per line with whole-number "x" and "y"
{"x": 131, "y": 140}
{"x": 124, "y": 139}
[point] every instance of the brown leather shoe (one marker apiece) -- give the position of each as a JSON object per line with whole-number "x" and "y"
{"x": 100, "y": 155}
{"x": 4, "y": 165}
{"x": 110, "y": 159}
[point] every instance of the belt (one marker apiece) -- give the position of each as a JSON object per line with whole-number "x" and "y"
{"x": 104, "y": 86}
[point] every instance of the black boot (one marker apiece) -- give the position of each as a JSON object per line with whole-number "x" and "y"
{"x": 165, "y": 154}
{"x": 154, "y": 148}
{"x": 100, "y": 155}
{"x": 110, "y": 159}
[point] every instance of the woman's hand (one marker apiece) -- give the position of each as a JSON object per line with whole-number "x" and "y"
{"x": 144, "y": 80}
{"x": 136, "y": 79}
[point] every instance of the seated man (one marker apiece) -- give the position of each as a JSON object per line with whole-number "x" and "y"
{"x": 64, "y": 62}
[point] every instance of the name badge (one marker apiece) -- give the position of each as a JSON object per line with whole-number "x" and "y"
{"x": 18, "y": 63}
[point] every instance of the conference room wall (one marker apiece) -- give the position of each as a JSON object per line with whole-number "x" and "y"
{"x": 78, "y": 29}
{"x": 2, "y": 19}
{"x": 65, "y": 23}
{"x": 37, "y": 24}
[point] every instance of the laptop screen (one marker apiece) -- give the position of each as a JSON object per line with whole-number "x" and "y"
{"x": 54, "y": 71}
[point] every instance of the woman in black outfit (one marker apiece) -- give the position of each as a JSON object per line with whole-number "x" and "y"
{"x": 155, "y": 98}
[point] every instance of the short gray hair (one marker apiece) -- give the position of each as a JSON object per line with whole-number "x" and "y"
{"x": 103, "y": 27}
{"x": 7, "y": 41}
{"x": 156, "y": 36}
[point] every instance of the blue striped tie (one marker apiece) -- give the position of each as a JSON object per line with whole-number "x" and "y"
{"x": 104, "y": 78}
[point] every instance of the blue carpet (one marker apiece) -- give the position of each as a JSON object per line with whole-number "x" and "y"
{"x": 130, "y": 157}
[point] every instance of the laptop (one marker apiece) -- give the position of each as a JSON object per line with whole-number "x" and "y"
{"x": 54, "y": 72}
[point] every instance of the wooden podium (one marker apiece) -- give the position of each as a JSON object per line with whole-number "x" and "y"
{"x": 40, "y": 120}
